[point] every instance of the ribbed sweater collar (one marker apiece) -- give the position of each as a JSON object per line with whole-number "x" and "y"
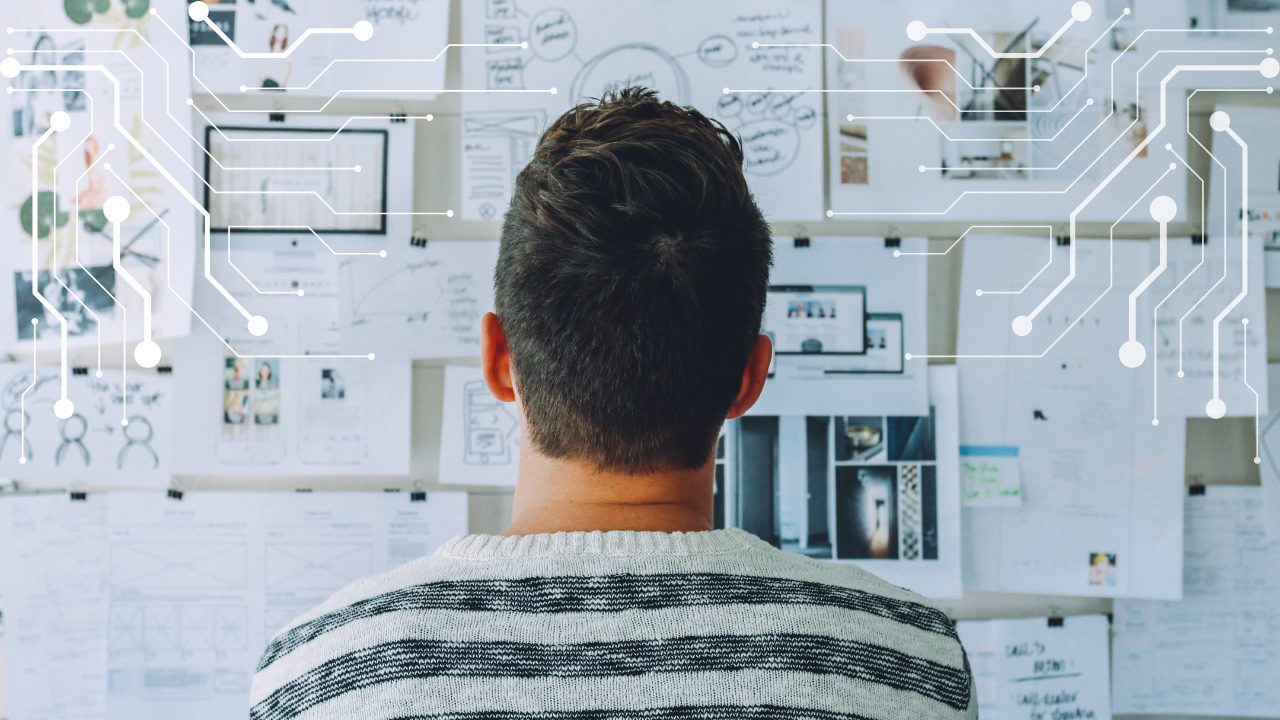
{"x": 612, "y": 543}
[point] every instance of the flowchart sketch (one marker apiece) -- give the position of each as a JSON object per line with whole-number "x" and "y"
{"x": 723, "y": 59}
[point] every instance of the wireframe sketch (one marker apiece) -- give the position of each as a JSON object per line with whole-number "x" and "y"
{"x": 491, "y": 428}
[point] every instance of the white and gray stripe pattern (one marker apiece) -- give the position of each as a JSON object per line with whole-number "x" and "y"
{"x": 628, "y": 625}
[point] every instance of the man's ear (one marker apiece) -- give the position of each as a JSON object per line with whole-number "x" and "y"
{"x": 495, "y": 360}
{"x": 753, "y": 376}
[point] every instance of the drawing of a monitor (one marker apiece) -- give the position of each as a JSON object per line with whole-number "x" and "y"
{"x": 817, "y": 319}
{"x": 884, "y": 347}
{"x": 283, "y": 180}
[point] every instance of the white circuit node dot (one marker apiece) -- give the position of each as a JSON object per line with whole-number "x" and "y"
{"x": 362, "y": 30}
{"x": 1132, "y": 354}
{"x": 382, "y": 253}
{"x": 1257, "y": 460}
{"x": 301, "y": 292}
{"x": 430, "y": 117}
{"x": 1155, "y": 422}
{"x": 356, "y": 168}
{"x": 8, "y": 51}
{"x": 978, "y": 292}
{"x": 243, "y": 88}
{"x": 372, "y": 356}
{"x": 1081, "y": 11}
{"x": 191, "y": 102}
{"x": 553, "y": 91}
{"x": 1022, "y": 325}
{"x": 198, "y": 10}
{"x": 98, "y": 374}
{"x": 1270, "y": 29}
{"x": 908, "y": 356}
{"x": 116, "y": 208}
{"x": 10, "y": 67}
{"x": 257, "y": 326}
{"x": 106, "y": 166}
{"x": 726, "y": 91}
{"x": 1181, "y": 374}
{"x": 755, "y": 45}
{"x": 1269, "y": 67}
{"x": 1035, "y": 88}
{"x": 147, "y": 353}
{"x": 22, "y": 460}
{"x": 897, "y": 253}
{"x": 59, "y": 121}
{"x": 1271, "y": 51}
{"x": 124, "y": 422}
{"x": 916, "y": 30}
{"x": 448, "y": 213}
{"x": 831, "y": 213}
{"x": 8, "y": 90}
{"x": 64, "y": 408}
{"x": 921, "y": 168}
{"x": 1089, "y": 101}
{"x": 1244, "y": 321}
{"x": 1219, "y": 120}
{"x": 111, "y": 146}
{"x": 35, "y": 321}
{"x": 1215, "y": 408}
{"x": 1168, "y": 146}
{"x": 849, "y": 117}
{"x": 1163, "y": 209}
{"x": 524, "y": 45}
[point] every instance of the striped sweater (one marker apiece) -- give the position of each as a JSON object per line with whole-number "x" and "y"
{"x": 630, "y": 625}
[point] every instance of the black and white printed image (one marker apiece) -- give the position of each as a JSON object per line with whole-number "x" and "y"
{"x": 867, "y": 512}
{"x": 91, "y": 285}
{"x": 332, "y": 385}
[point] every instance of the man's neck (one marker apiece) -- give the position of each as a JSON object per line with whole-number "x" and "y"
{"x": 567, "y": 496}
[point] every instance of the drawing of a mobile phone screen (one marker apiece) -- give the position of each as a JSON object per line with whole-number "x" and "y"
{"x": 817, "y": 319}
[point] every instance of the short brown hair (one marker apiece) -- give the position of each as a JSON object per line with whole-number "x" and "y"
{"x": 630, "y": 283}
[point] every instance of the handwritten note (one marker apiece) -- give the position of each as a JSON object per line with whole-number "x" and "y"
{"x": 989, "y": 476}
{"x": 1040, "y": 669}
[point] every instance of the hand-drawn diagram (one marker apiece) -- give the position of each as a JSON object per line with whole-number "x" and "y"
{"x": 210, "y": 567}
{"x": 318, "y": 566}
{"x": 491, "y": 428}
{"x": 726, "y": 72}
{"x": 420, "y": 301}
{"x": 116, "y": 435}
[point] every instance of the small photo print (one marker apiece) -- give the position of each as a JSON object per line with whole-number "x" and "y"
{"x": 332, "y": 386}
{"x": 911, "y": 439}
{"x": 859, "y": 439}
{"x": 867, "y": 513}
{"x": 267, "y": 375}
{"x": 235, "y": 391}
{"x": 1102, "y": 569}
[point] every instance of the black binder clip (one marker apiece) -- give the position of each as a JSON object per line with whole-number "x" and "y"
{"x": 79, "y": 371}
{"x": 418, "y": 241}
{"x": 173, "y": 494}
{"x": 1198, "y": 239}
{"x": 418, "y": 496}
{"x": 1195, "y": 490}
{"x": 893, "y": 242}
{"x": 1062, "y": 240}
{"x": 304, "y": 491}
{"x": 79, "y": 496}
{"x": 801, "y": 242}
{"x": 398, "y": 118}
{"x": 1056, "y": 621}
{"x": 164, "y": 369}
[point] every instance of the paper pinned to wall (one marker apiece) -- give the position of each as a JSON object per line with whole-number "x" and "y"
{"x": 174, "y": 600}
{"x": 415, "y": 32}
{"x": 1038, "y": 668}
{"x": 94, "y": 447}
{"x": 1101, "y": 486}
{"x": 1269, "y": 469}
{"x": 479, "y": 437}
{"x": 424, "y": 300}
{"x": 989, "y": 476}
{"x": 290, "y": 402}
{"x": 55, "y": 576}
{"x": 880, "y": 492}
{"x": 1217, "y": 652}
{"x": 92, "y": 160}
{"x": 690, "y": 62}
{"x": 845, "y": 313}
